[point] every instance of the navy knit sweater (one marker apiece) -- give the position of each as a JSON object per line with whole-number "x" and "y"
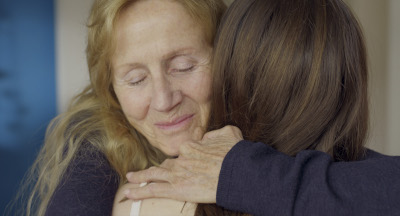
{"x": 87, "y": 188}
{"x": 259, "y": 180}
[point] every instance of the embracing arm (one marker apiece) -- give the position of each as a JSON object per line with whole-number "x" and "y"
{"x": 87, "y": 188}
{"x": 254, "y": 178}
{"x": 257, "y": 179}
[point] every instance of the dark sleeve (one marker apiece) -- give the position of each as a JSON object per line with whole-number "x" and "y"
{"x": 259, "y": 180}
{"x": 88, "y": 187}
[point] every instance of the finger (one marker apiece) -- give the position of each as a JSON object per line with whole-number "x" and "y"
{"x": 219, "y": 132}
{"x": 154, "y": 190}
{"x": 167, "y": 164}
{"x": 227, "y": 131}
{"x": 153, "y": 174}
{"x": 212, "y": 134}
{"x": 236, "y": 131}
{"x": 190, "y": 150}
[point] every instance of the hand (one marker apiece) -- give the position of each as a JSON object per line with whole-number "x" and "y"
{"x": 193, "y": 176}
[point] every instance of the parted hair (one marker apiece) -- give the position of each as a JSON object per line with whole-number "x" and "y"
{"x": 95, "y": 119}
{"x": 293, "y": 74}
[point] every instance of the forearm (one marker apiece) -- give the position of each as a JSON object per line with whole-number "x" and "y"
{"x": 259, "y": 180}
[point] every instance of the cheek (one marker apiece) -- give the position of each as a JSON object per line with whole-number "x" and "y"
{"x": 135, "y": 107}
{"x": 200, "y": 87}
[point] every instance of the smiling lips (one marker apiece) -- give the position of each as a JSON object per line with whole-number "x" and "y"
{"x": 176, "y": 124}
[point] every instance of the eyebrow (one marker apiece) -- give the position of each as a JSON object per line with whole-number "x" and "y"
{"x": 178, "y": 52}
{"x": 170, "y": 56}
{"x": 166, "y": 58}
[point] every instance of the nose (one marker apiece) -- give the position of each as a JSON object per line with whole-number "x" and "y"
{"x": 166, "y": 96}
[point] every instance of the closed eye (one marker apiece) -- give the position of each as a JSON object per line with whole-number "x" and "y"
{"x": 181, "y": 64}
{"x": 188, "y": 69}
{"x": 137, "y": 82}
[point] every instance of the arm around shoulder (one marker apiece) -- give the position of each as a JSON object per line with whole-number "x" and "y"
{"x": 257, "y": 179}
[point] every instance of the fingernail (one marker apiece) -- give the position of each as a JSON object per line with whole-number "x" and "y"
{"x": 126, "y": 192}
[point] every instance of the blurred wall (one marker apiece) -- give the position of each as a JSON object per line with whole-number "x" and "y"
{"x": 72, "y": 73}
{"x": 373, "y": 17}
{"x": 27, "y": 87}
{"x": 393, "y": 79}
{"x": 382, "y": 32}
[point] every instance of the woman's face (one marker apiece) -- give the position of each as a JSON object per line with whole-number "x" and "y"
{"x": 161, "y": 72}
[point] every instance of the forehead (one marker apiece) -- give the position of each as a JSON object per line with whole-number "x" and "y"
{"x": 156, "y": 24}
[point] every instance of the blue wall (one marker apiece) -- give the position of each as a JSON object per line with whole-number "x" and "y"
{"x": 27, "y": 86}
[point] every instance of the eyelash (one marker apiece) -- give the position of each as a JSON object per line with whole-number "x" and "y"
{"x": 174, "y": 70}
{"x": 184, "y": 70}
{"x": 137, "y": 82}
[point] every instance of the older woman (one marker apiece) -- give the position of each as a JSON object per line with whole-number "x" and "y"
{"x": 150, "y": 89}
{"x": 292, "y": 74}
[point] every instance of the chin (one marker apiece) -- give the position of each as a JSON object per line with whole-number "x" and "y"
{"x": 172, "y": 153}
{"x": 170, "y": 150}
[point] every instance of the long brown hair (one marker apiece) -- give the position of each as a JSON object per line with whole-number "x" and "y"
{"x": 293, "y": 74}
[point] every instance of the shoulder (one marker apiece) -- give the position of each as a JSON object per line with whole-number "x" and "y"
{"x": 153, "y": 206}
{"x": 120, "y": 206}
{"x": 91, "y": 165}
{"x": 371, "y": 154}
{"x": 88, "y": 186}
{"x": 387, "y": 166}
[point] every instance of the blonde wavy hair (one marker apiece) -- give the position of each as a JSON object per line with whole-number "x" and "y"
{"x": 95, "y": 116}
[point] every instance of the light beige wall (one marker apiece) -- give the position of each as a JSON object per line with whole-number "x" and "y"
{"x": 72, "y": 75}
{"x": 372, "y": 15}
{"x": 393, "y": 77}
{"x": 379, "y": 20}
